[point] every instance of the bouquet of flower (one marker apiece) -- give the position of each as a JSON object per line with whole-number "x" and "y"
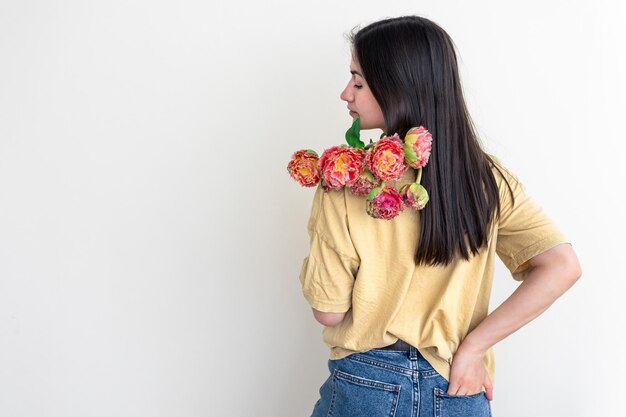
{"x": 365, "y": 169}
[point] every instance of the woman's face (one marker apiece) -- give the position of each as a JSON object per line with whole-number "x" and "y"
{"x": 360, "y": 100}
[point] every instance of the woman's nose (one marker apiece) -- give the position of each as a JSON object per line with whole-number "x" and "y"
{"x": 345, "y": 94}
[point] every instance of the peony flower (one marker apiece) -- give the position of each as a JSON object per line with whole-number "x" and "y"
{"x": 385, "y": 159}
{"x": 384, "y": 202}
{"x": 304, "y": 167}
{"x": 365, "y": 168}
{"x": 414, "y": 195}
{"x": 417, "y": 146}
{"x": 365, "y": 183}
{"x": 341, "y": 165}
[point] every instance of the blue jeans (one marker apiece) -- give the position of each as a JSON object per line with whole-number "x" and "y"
{"x": 392, "y": 383}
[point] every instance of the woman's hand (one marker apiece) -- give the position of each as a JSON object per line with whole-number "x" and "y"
{"x": 468, "y": 374}
{"x": 551, "y": 274}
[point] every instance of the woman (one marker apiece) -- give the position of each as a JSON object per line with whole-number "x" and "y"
{"x": 405, "y": 301}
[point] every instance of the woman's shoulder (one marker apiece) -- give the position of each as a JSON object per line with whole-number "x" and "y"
{"x": 500, "y": 171}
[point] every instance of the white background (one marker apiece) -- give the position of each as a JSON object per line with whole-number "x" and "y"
{"x": 151, "y": 238}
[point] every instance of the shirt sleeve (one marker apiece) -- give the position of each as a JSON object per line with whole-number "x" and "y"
{"x": 328, "y": 272}
{"x": 524, "y": 230}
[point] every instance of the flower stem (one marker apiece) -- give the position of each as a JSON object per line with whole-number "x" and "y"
{"x": 419, "y": 176}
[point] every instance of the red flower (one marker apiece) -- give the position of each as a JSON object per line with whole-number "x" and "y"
{"x": 386, "y": 158}
{"x": 384, "y": 203}
{"x": 414, "y": 195}
{"x": 304, "y": 167}
{"x": 365, "y": 183}
{"x": 417, "y": 146}
{"x": 341, "y": 166}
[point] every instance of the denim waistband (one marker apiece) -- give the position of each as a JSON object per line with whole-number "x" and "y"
{"x": 400, "y": 356}
{"x": 399, "y": 345}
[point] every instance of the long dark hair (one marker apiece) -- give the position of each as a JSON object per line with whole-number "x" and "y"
{"x": 410, "y": 65}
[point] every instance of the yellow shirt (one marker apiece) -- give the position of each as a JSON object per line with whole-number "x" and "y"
{"x": 366, "y": 266}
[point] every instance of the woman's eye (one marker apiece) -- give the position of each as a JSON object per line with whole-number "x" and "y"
{"x": 358, "y": 86}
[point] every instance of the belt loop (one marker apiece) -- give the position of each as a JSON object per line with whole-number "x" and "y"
{"x": 412, "y": 353}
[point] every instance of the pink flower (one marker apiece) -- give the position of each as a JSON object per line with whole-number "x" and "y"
{"x": 365, "y": 183}
{"x": 304, "y": 167}
{"x": 341, "y": 165}
{"x": 384, "y": 203}
{"x": 417, "y": 146}
{"x": 414, "y": 196}
{"x": 386, "y": 158}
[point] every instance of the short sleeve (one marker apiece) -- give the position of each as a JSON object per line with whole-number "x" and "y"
{"x": 328, "y": 272}
{"x": 524, "y": 229}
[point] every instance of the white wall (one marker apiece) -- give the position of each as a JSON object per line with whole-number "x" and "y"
{"x": 151, "y": 238}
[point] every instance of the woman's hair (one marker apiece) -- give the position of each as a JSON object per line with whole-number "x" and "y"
{"x": 410, "y": 65}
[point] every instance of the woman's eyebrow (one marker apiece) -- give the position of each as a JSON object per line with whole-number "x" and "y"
{"x": 353, "y": 72}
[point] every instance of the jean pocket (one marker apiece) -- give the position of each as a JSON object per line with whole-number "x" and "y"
{"x": 355, "y": 396}
{"x": 474, "y": 405}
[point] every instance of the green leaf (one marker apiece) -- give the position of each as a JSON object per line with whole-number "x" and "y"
{"x": 353, "y": 135}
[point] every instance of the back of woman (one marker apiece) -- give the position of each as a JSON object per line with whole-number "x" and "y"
{"x": 404, "y": 297}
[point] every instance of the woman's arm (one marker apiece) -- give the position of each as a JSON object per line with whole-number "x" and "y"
{"x": 328, "y": 319}
{"x": 553, "y": 272}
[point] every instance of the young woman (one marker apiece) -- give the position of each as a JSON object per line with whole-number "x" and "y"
{"x": 404, "y": 302}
